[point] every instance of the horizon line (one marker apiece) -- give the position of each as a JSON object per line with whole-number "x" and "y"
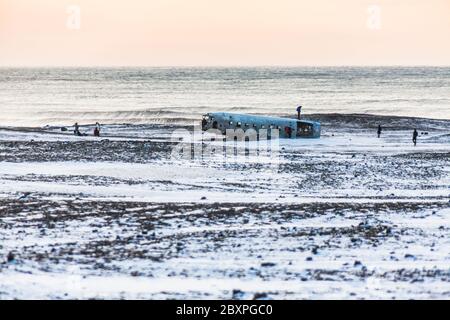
{"x": 232, "y": 66}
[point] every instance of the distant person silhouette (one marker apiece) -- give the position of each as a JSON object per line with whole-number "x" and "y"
{"x": 97, "y": 130}
{"x": 379, "y": 130}
{"x": 76, "y": 130}
{"x": 415, "y": 134}
{"x": 299, "y": 112}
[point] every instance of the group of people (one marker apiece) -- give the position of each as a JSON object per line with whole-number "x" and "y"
{"x": 76, "y": 130}
{"x": 414, "y": 138}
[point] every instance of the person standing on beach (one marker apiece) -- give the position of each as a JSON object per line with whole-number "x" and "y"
{"x": 97, "y": 130}
{"x": 76, "y": 130}
{"x": 379, "y": 130}
{"x": 415, "y": 134}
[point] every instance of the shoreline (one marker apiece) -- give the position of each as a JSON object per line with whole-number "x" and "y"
{"x": 327, "y": 118}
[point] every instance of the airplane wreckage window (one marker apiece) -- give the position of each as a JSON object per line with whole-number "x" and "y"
{"x": 304, "y": 130}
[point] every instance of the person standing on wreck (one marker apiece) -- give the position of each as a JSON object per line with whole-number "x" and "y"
{"x": 379, "y": 130}
{"x": 299, "y": 112}
{"x": 415, "y": 134}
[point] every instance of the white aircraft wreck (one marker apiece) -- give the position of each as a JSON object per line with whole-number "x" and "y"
{"x": 287, "y": 127}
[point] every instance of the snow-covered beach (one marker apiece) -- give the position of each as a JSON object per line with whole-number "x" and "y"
{"x": 345, "y": 216}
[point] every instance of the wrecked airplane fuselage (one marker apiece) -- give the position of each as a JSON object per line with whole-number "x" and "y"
{"x": 287, "y": 127}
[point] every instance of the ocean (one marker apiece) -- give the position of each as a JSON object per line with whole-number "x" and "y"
{"x": 62, "y": 96}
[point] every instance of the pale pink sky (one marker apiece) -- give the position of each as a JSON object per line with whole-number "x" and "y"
{"x": 224, "y": 32}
